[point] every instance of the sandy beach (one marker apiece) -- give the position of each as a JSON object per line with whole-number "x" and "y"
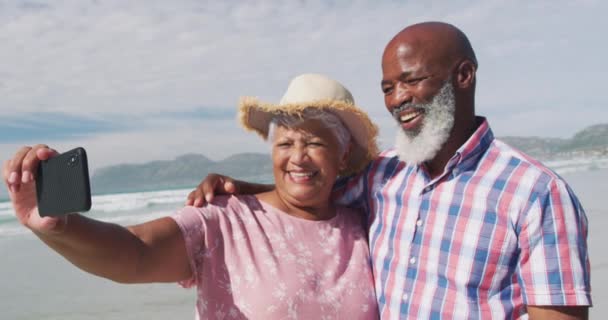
{"x": 39, "y": 284}
{"x": 591, "y": 186}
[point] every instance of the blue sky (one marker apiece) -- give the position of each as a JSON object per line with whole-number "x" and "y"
{"x": 134, "y": 81}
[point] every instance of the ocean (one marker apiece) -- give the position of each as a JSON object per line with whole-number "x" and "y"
{"x": 37, "y": 283}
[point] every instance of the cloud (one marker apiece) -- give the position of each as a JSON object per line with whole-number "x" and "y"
{"x": 51, "y": 126}
{"x": 154, "y": 139}
{"x": 140, "y": 75}
{"x": 115, "y": 57}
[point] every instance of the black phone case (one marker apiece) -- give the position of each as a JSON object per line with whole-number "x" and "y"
{"x": 62, "y": 184}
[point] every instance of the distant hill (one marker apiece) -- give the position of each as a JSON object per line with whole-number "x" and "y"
{"x": 577, "y": 153}
{"x": 183, "y": 172}
{"x": 590, "y": 142}
{"x": 188, "y": 170}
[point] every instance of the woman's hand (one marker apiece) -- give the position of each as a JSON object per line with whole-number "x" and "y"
{"x": 19, "y": 175}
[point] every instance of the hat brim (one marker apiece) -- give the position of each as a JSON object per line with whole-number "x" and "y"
{"x": 256, "y": 116}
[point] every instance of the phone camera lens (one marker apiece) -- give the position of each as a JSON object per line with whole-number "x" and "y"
{"x": 72, "y": 160}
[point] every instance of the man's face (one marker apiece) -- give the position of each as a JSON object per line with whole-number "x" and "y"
{"x": 410, "y": 77}
{"x": 423, "y": 143}
{"x": 419, "y": 95}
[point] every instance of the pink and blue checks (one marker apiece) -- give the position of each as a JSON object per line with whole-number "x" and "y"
{"x": 495, "y": 232}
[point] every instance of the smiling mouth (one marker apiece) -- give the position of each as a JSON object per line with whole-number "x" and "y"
{"x": 301, "y": 176}
{"x": 410, "y": 116}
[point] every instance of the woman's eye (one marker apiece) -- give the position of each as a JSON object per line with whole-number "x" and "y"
{"x": 316, "y": 144}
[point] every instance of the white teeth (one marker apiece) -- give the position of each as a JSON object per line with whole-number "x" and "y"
{"x": 409, "y": 116}
{"x": 301, "y": 174}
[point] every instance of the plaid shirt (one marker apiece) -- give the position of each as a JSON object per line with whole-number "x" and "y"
{"x": 494, "y": 232}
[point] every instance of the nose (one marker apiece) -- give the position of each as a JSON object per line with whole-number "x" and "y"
{"x": 299, "y": 154}
{"x": 400, "y": 95}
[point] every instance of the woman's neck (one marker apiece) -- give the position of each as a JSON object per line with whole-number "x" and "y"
{"x": 318, "y": 211}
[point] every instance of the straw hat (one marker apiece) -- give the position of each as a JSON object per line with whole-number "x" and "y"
{"x": 319, "y": 92}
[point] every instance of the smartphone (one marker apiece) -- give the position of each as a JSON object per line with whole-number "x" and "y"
{"x": 62, "y": 184}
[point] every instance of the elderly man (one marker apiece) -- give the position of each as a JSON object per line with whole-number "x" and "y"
{"x": 461, "y": 225}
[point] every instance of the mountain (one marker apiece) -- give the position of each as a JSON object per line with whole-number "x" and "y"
{"x": 586, "y": 150}
{"x": 589, "y": 142}
{"x": 184, "y": 171}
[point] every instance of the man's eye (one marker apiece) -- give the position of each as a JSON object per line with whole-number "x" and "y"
{"x": 387, "y": 90}
{"x": 415, "y": 80}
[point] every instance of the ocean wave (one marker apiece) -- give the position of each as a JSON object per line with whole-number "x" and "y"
{"x": 5, "y": 214}
{"x": 138, "y": 200}
{"x": 577, "y": 165}
{"x": 6, "y": 209}
{"x": 124, "y": 209}
{"x": 123, "y": 202}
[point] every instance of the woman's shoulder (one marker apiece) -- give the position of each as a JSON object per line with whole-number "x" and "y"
{"x": 222, "y": 211}
{"x": 226, "y": 206}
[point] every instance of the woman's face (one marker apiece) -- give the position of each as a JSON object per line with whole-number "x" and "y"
{"x": 306, "y": 161}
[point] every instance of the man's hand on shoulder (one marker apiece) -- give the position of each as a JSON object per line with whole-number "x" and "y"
{"x": 212, "y": 184}
{"x": 215, "y": 184}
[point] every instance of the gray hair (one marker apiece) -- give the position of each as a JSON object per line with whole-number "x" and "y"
{"x": 328, "y": 119}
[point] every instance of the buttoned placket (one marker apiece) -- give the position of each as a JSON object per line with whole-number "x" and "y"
{"x": 416, "y": 242}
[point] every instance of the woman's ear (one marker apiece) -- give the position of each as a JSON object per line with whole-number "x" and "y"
{"x": 344, "y": 159}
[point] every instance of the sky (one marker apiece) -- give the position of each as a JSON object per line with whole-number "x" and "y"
{"x": 135, "y": 81}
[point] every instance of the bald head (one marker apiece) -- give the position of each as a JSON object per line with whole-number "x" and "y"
{"x": 422, "y": 57}
{"x": 442, "y": 43}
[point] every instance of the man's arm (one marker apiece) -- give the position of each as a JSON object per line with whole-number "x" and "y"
{"x": 552, "y": 236}
{"x": 558, "y": 313}
{"x": 219, "y": 184}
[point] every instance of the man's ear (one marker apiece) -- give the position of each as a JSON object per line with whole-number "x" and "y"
{"x": 465, "y": 74}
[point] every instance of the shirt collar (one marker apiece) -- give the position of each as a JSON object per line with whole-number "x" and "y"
{"x": 472, "y": 150}
{"x": 468, "y": 155}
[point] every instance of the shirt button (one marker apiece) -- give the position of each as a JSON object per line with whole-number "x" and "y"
{"x": 419, "y": 222}
{"x": 405, "y": 297}
{"x": 412, "y": 260}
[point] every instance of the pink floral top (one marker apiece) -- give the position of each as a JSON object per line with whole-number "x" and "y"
{"x": 252, "y": 261}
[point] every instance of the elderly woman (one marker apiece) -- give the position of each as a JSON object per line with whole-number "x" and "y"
{"x": 286, "y": 253}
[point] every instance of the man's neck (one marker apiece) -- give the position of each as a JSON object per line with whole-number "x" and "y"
{"x": 458, "y": 138}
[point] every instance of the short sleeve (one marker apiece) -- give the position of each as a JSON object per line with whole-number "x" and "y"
{"x": 554, "y": 263}
{"x": 190, "y": 221}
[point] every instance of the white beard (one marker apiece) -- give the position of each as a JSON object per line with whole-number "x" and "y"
{"x": 417, "y": 147}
